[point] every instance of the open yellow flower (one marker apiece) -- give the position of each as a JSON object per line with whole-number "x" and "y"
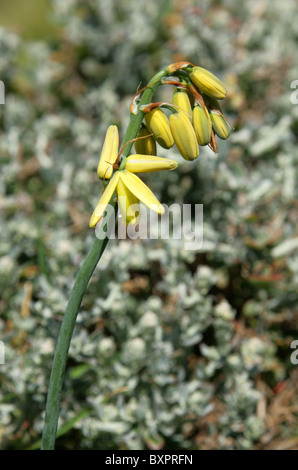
{"x": 130, "y": 187}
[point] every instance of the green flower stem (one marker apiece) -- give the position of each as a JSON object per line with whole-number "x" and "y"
{"x": 78, "y": 290}
{"x": 63, "y": 343}
{"x": 136, "y": 119}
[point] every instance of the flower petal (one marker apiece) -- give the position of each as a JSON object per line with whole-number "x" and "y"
{"x": 141, "y": 191}
{"x": 128, "y": 204}
{"x": 104, "y": 200}
{"x": 109, "y": 153}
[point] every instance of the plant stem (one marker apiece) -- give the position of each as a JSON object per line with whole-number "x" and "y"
{"x": 136, "y": 119}
{"x": 63, "y": 343}
{"x": 78, "y": 290}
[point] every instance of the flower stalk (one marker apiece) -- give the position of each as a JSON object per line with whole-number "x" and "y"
{"x": 79, "y": 287}
{"x": 63, "y": 343}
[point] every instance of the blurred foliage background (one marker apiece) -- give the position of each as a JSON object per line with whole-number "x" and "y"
{"x": 173, "y": 349}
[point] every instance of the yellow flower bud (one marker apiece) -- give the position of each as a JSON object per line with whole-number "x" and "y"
{"x": 109, "y": 153}
{"x": 208, "y": 83}
{"x": 184, "y": 135}
{"x": 220, "y": 125}
{"x": 147, "y": 164}
{"x": 181, "y": 99}
{"x": 146, "y": 145}
{"x": 202, "y": 125}
{"x": 158, "y": 124}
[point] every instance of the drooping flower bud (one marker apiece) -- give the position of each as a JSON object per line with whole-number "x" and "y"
{"x": 145, "y": 143}
{"x": 181, "y": 99}
{"x": 184, "y": 135}
{"x": 158, "y": 124}
{"x": 208, "y": 83}
{"x": 202, "y": 125}
{"x": 220, "y": 126}
{"x": 109, "y": 153}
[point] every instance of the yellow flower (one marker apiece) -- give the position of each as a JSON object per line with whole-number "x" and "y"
{"x": 104, "y": 200}
{"x": 158, "y": 124}
{"x": 146, "y": 145}
{"x": 145, "y": 164}
{"x": 181, "y": 99}
{"x": 184, "y": 135}
{"x": 109, "y": 153}
{"x": 128, "y": 204}
{"x": 220, "y": 125}
{"x": 202, "y": 125}
{"x": 129, "y": 187}
{"x": 208, "y": 83}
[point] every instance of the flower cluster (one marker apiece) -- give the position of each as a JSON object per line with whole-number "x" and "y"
{"x": 129, "y": 188}
{"x": 195, "y": 119}
{"x": 196, "y": 114}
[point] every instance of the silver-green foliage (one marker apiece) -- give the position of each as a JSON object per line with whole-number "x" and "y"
{"x": 159, "y": 342}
